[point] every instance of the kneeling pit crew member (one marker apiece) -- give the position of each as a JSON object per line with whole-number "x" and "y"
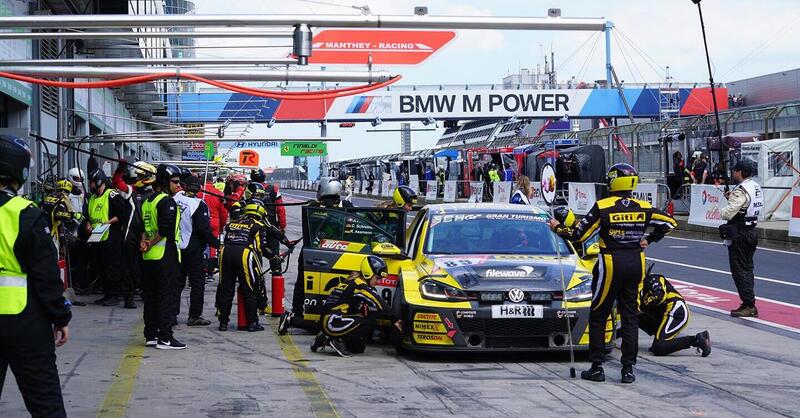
{"x": 348, "y": 313}
{"x": 161, "y": 260}
{"x": 240, "y": 260}
{"x": 622, "y": 223}
{"x": 664, "y": 314}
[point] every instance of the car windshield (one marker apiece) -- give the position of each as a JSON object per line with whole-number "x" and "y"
{"x": 493, "y": 233}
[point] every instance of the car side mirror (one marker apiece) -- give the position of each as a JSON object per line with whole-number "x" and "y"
{"x": 386, "y": 249}
{"x": 593, "y": 250}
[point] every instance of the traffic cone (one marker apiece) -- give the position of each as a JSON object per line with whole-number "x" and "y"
{"x": 277, "y": 294}
{"x": 241, "y": 316}
{"x": 670, "y": 208}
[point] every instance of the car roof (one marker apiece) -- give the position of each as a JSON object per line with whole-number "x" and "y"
{"x": 451, "y": 208}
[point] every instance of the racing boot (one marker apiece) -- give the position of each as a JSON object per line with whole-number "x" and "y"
{"x": 111, "y": 301}
{"x": 319, "y": 342}
{"x": 703, "y": 343}
{"x": 745, "y": 312}
{"x": 284, "y": 322}
{"x": 627, "y": 374}
{"x": 196, "y": 322}
{"x": 338, "y": 346}
{"x": 129, "y": 303}
{"x": 595, "y": 373}
{"x": 254, "y": 327}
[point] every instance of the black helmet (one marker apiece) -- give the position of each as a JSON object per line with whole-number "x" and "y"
{"x": 97, "y": 176}
{"x": 373, "y": 266}
{"x": 564, "y": 216}
{"x": 403, "y": 195}
{"x": 744, "y": 167}
{"x": 192, "y": 184}
{"x": 622, "y": 178}
{"x": 256, "y": 190}
{"x": 185, "y": 174}
{"x": 15, "y": 158}
{"x": 652, "y": 289}
{"x": 165, "y": 172}
{"x": 258, "y": 175}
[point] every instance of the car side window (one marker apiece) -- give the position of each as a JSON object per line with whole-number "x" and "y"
{"x": 416, "y": 231}
{"x": 346, "y": 232}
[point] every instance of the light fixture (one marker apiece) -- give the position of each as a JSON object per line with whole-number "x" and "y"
{"x": 429, "y": 121}
{"x": 271, "y": 123}
{"x": 513, "y": 119}
{"x": 376, "y": 122}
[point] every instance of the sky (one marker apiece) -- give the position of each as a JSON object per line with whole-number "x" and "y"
{"x": 746, "y": 39}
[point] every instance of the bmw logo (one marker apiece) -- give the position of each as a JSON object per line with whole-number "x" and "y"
{"x": 516, "y": 295}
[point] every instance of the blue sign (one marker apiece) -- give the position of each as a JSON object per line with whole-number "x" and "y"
{"x": 193, "y": 155}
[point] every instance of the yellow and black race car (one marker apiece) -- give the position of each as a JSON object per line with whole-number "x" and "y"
{"x": 462, "y": 276}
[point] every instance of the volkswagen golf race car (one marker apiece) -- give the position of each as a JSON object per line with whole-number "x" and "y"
{"x": 463, "y": 277}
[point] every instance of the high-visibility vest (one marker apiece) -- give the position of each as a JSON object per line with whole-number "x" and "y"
{"x": 13, "y": 281}
{"x": 150, "y": 219}
{"x": 220, "y": 186}
{"x": 98, "y": 210}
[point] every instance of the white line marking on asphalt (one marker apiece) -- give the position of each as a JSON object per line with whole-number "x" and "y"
{"x": 719, "y": 243}
{"x": 756, "y": 320}
{"x": 681, "y": 247}
{"x": 721, "y": 271}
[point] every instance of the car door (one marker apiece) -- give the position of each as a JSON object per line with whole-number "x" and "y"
{"x": 335, "y": 242}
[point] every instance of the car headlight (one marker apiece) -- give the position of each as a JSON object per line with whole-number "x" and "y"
{"x": 582, "y": 291}
{"x": 433, "y": 290}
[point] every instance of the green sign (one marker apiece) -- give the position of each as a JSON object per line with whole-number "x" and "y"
{"x": 304, "y": 149}
{"x": 209, "y": 150}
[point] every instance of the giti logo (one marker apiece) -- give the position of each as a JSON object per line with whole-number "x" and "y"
{"x": 623, "y": 217}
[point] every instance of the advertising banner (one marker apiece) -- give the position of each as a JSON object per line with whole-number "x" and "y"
{"x": 303, "y": 149}
{"x": 192, "y": 155}
{"x": 647, "y": 192}
{"x": 385, "y": 188}
{"x": 413, "y": 183}
{"x": 707, "y": 203}
{"x": 794, "y": 221}
{"x": 502, "y": 192}
{"x": 377, "y": 46}
{"x": 581, "y": 197}
{"x": 248, "y": 158}
{"x": 431, "y": 191}
{"x": 450, "y": 191}
{"x": 537, "y": 199}
{"x": 476, "y": 194}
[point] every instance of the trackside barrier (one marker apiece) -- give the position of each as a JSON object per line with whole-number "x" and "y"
{"x": 581, "y": 197}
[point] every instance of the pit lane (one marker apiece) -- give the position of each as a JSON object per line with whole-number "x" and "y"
{"x": 259, "y": 374}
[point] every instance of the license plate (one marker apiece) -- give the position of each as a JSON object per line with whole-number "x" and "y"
{"x": 517, "y": 311}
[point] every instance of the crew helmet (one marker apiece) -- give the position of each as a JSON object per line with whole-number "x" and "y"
{"x": 622, "y": 178}
{"x": 256, "y": 190}
{"x": 373, "y": 266}
{"x": 564, "y": 215}
{"x": 258, "y": 175}
{"x": 404, "y": 195}
{"x": 165, "y": 173}
{"x": 64, "y": 185}
{"x": 75, "y": 176}
{"x": 255, "y": 207}
{"x": 331, "y": 188}
{"x": 145, "y": 173}
{"x": 15, "y": 158}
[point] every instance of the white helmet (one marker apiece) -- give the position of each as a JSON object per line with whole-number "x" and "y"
{"x": 75, "y": 177}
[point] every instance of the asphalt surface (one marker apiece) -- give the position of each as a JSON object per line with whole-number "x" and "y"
{"x": 106, "y": 371}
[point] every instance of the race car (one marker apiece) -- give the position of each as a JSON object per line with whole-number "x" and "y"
{"x": 467, "y": 277}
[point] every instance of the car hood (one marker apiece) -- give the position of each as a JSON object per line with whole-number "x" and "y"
{"x": 501, "y": 272}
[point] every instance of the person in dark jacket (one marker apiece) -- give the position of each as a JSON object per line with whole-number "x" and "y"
{"x": 34, "y": 316}
{"x": 196, "y": 236}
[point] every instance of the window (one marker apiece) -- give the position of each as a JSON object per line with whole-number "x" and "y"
{"x": 352, "y": 231}
{"x": 780, "y": 164}
{"x": 49, "y": 95}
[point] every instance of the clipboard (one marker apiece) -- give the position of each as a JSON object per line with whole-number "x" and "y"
{"x": 98, "y": 233}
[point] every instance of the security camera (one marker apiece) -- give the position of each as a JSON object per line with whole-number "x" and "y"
{"x": 421, "y": 11}
{"x": 376, "y": 122}
{"x": 554, "y": 12}
{"x": 428, "y": 121}
{"x": 271, "y": 123}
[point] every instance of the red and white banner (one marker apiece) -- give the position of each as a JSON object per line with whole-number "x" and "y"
{"x": 581, "y": 197}
{"x": 794, "y": 221}
{"x": 502, "y": 192}
{"x": 476, "y": 191}
{"x": 431, "y": 191}
{"x": 377, "y": 46}
{"x": 450, "y": 191}
{"x": 707, "y": 203}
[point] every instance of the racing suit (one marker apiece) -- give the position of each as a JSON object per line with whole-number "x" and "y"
{"x": 58, "y": 208}
{"x": 240, "y": 260}
{"x": 276, "y": 214}
{"x": 621, "y": 222}
{"x": 664, "y": 314}
{"x": 745, "y": 203}
{"x": 346, "y": 313}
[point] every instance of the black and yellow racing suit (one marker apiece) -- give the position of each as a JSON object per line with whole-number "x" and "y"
{"x": 346, "y": 313}
{"x": 240, "y": 260}
{"x": 236, "y": 211}
{"x": 664, "y": 314}
{"x": 59, "y": 211}
{"x": 621, "y": 223}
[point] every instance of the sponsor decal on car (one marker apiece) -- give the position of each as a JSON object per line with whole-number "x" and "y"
{"x": 336, "y": 245}
{"x": 516, "y": 272}
{"x": 433, "y": 327}
{"x": 427, "y": 316}
{"x": 432, "y": 339}
{"x": 388, "y": 281}
{"x": 466, "y": 314}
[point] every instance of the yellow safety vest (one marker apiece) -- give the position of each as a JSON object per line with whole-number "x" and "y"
{"x": 13, "y": 282}
{"x": 150, "y": 219}
{"x": 220, "y": 186}
{"x": 98, "y": 210}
